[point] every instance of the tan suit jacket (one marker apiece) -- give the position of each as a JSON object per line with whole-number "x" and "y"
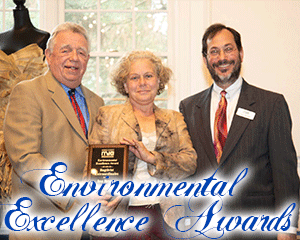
{"x": 41, "y": 128}
{"x": 175, "y": 156}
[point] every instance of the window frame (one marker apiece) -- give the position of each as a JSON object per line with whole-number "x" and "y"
{"x": 51, "y": 14}
{"x": 57, "y": 11}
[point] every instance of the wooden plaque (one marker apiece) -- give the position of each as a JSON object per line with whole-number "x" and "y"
{"x": 107, "y": 160}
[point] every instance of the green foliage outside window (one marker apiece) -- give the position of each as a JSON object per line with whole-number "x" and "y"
{"x": 6, "y": 13}
{"x": 116, "y": 27}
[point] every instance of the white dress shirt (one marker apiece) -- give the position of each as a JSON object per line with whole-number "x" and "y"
{"x": 142, "y": 175}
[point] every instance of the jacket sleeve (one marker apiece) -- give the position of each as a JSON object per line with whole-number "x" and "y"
{"x": 283, "y": 157}
{"x": 22, "y": 136}
{"x": 178, "y": 164}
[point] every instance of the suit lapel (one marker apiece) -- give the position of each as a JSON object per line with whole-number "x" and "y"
{"x": 62, "y": 101}
{"x": 129, "y": 118}
{"x": 202, "y": 120}
{"x": 162, "y": 119}
{"x": 239, "y": 124}
{"x": 89, "y": 103}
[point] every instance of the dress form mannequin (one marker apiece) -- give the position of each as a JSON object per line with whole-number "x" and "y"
{"x": 23, "y": 33}
{"x": 22, "y": 58}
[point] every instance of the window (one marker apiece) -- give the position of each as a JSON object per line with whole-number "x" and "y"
{"x": 6, "y": 13}
{"x": 115, "y": 27}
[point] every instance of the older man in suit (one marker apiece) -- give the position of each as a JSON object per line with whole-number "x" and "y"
{"x": 48, "y": 119}
{"x": 234, "y": 125}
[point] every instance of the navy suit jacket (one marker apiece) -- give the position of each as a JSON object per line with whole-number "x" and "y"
{"x": 263, "y": 145}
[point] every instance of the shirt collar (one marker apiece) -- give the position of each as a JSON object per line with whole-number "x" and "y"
{"x": 78, "y": 89}
{"x": 231, "y": 90}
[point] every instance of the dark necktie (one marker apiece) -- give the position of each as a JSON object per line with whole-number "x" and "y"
{"x": 220, "y": 127}
{"x": 77, "y": 110}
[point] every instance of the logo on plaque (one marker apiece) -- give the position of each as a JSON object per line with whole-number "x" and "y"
{"x": 108, "y": 153}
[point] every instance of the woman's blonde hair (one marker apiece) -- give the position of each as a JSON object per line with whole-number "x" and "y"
{"x": 121, "y": 71}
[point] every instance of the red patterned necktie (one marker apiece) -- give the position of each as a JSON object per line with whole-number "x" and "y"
{"x": 220, "y": 127}
{"x": 77, "y": 110}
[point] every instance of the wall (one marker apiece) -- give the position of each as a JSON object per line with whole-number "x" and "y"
{"x": 270, "y": 31}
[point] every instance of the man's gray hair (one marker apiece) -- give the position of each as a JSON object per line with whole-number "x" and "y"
{"x": 67, "y": 26}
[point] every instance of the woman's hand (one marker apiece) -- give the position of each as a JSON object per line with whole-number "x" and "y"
{"x": 139, "y": 150}
{"x": 108, "y": 202}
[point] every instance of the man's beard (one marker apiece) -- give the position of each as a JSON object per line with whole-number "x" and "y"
{"x": 231, "y": 78}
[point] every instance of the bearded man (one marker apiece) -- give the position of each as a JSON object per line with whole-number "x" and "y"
{"x": 233, "y": 126}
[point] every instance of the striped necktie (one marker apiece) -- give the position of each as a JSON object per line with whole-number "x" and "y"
{"x": 220, "y": 127}
{"x": 77, "y": 110}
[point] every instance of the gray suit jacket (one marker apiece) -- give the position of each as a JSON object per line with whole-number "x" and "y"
{"x": 263, "y": 144}
{"x": 41, "y": 128}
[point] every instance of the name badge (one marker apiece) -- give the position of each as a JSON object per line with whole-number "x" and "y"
{"x": 245, "y": 113}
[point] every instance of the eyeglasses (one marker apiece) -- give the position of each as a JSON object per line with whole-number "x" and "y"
{"x": 215, "y": 52}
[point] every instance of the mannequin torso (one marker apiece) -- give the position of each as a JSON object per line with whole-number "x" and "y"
{"x": 23, "y": 33}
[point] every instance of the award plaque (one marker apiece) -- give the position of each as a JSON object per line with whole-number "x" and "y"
{"x": 107, "y": 160}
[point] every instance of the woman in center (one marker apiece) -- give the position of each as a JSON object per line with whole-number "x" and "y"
{"x": 159, "y": 143}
